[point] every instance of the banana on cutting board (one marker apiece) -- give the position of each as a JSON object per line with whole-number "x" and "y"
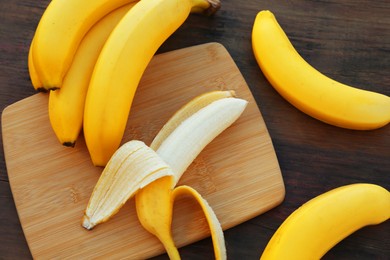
{"x": 177, "y": 144}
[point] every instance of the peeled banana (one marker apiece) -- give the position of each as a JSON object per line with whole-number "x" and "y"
{"x": 182, "y": 138}
{"x": 66, "y": 105}
{"x": 308, "y": 89}
{"x": 59, "y": 33}
{"x": 318, "y": 225}
{"x": 121, "y": 64}
{"x": 136, "y": 169}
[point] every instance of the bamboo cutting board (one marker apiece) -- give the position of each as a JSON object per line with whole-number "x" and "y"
{"x": 238, "y": 172}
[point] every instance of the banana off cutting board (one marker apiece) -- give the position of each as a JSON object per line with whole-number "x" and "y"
{"x": 238, "y": 172}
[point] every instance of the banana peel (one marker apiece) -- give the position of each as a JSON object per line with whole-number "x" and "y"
{"x": 133, "y": 166}
{"x": 215, "y": 226}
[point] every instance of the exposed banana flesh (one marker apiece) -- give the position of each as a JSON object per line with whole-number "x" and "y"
{"x": 120, "y": 66}
{"x": 132, "y": 167}
{"x": 186, "y": 111}
{"x": 194, "y": 125}
{"x": 66, "y": 105}
{"x": 59, "y": 33}
{"x": 308, "y": 89}
{"x": 184, "y": 144}
{"x": 318, "y": 225}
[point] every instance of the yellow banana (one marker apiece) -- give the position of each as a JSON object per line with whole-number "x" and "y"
{"x": 154, "y": 203}
{"x": 120, "y": 66}
{"x": 318, "y": 225}
{"x": 66, "y": 105}
{"x": 35, "y": 81}
{"x": 60, "y": 31}
{"x": 309, "y": 90}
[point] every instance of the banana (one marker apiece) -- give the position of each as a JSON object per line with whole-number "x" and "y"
{"x": 121, "y": 64}
{"x": 60, "y": 31}
{"x": 308, "y": 89}
{"x": 318, "y": 225}
{"x": 35, "y": 81}
{"x": 133, "y": 166}
{"x": 193, "y": 126}
{"x": 66, "y": 105}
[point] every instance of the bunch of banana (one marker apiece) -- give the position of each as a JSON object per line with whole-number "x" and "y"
{"x": 66, "y": 105}
{"x": 179, "y": 142}
{"x": 319, "y": 224}
{"x": 93, "y": 53}
{"x": 309, "y": 90}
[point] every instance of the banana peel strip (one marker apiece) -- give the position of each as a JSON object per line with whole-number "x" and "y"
{"x": 214, "y": 224}
{"x": 132, "y": 167}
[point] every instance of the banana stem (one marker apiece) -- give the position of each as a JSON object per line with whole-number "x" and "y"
{"x": 207, "y": 7}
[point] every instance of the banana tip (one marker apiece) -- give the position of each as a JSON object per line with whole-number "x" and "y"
{"x": 86, "y": 223}
{"x": 69, "y": 144}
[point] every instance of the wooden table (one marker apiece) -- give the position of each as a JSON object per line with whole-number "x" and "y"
{"x": 347, "y": 40}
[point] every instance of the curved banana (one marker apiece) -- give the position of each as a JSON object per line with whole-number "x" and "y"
{"x": 309, "y": 90}
{"x": 120, "y": 66}
{"x": 66, "y": 105}
{"x": 59, "y": 33}
{"x": 154, "y": 203}
{"x": 318, "y": 225}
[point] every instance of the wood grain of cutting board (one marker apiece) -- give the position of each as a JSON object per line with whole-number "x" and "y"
{"x": 238, "y": 172}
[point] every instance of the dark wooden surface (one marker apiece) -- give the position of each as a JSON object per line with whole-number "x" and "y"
{"x": 347, "y": 40}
